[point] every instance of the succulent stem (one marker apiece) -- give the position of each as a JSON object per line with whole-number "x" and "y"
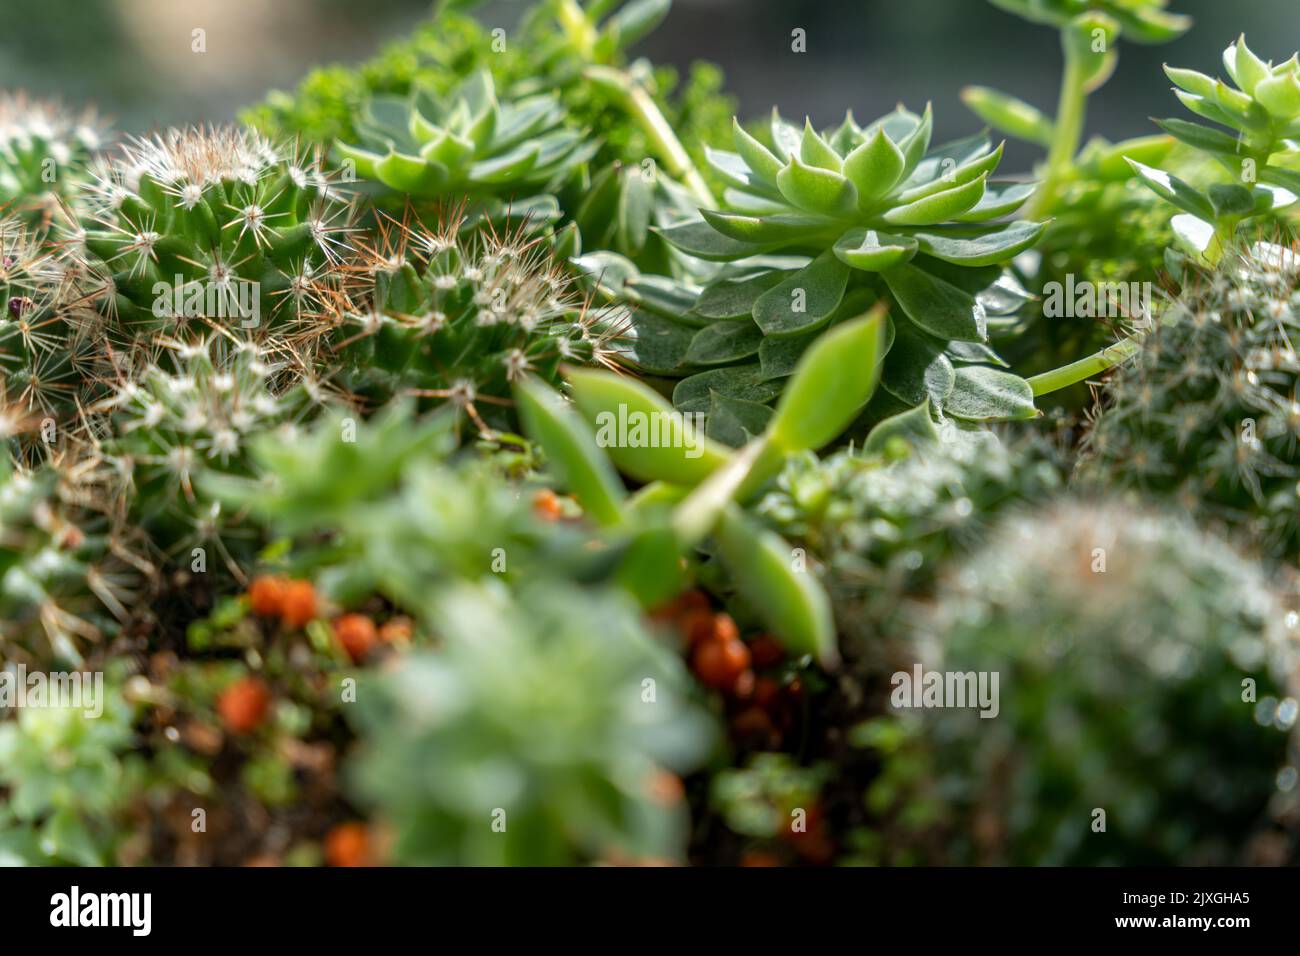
{"x": 1084, "y": 368}
{"x": 640, "y": 105}
{"x": 1071, "y": 112}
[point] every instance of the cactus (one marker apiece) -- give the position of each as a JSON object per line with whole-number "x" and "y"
{"x": 187, "y": 414}
{"x": 1146, "y": 671}
{"x": 1207, "y": 414}
{"x": 69, "y": 573}
{"x": 44, "y": 154}
{"x": 211, "y": 223}
{"x": 457, "y": 317}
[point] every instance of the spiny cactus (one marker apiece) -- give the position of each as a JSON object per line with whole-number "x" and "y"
{"x": 1146, "y": 693}
{"x": 213, "y": 223}
{"x": 469, "y": 143}
{"x": 884, "y": 519}
{"x": 69, "y": 574}
{"x": 1209, "y": 412}
{"x": 543, "y": 760}
{"x": 457, "y": 317}
{"x": 187, "y": 414}
{"x": 44, "y": 154}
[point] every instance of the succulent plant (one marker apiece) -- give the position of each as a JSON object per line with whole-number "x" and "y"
{"x": 878, "y": 212}
{"x": 68, "y": 778}
{"x": 469, "y": 143}
{"x": 44, "y": 154}
{"x": 188, "y": 414}
{"x": 211, "y": 223}
{"x": 541, "y": 761}
{"x": 69, "y": 573}
{"x": 1207, "y": 414}
{"x": 1143, "y": 21}
{"x": 1147, "y": 695}
{"x": 1262, "y": 112}
{"x": 882, "y": 520}
{"x": 455, "y": 317}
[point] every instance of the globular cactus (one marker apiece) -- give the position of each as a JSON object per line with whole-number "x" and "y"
{"x": 882, "y": 520}
{"x": 1209, "y": 412}
{"x": 188, "y": 414}
{"x": 1145, "y": 699}
{"x": 212, "y": 223}
{"x": 457, "y": 317}
{"x": 469, "y": 143}
{"x": 69, "y": 572}
{"x": 44, "y": 154}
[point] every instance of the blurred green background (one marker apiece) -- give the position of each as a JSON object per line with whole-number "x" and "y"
{"x": 134, "y": 58}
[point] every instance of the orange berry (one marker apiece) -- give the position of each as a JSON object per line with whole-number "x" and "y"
{"x": 244, "y": 705}
{"x": 356, "y": 634}
{"x": 718, "y": 664}
{"x": 348, "y": 844}
{"x": 396, "y": 631}
{"x": 266, "y": 595}
{"x": 759, "y": 858}
{"x": 724, "y": 628}
{"x": 298, "y": 605}
{"x": 767, "y": 651}
{"x": 546, "y": 505}
{"x": 694, "y": 601}
{"x": 698, "y": 626}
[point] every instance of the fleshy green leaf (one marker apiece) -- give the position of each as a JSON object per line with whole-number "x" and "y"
{"x": 697, "y": 238}
{"x": 982, "y": 394}
{"x": 938, "y": 207}
{"x": 936, "y": 306}
{"x": 906, "y": 429}
{"x": 816, "y": 190}
{"x": 694, "y": 394}
{"x": 724, "y": 342}
{"x": 1012, "y": 116}
{"x": 875, "y": 167}
{"x": 917, "y": 369}
{"x": 735, "y": 298}
{"x": 757, "y": 157}
{"x": 872, "y": 251}
{"x": 978, "y": 245}
{"x": 804, "y": 300}
{"x": 1174, "y": 190}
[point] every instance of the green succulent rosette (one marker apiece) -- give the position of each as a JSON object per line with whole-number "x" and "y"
{"x": 469, "y": 143}
{"x": 1256, "y": 141}
{"x": 1143, "y": 21}
{"x": 851, "y": 215}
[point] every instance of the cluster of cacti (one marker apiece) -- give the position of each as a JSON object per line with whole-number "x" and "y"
{"x": 188, "y": 413}
{"x": 45, "y": 152}
{"x": 449, "y": 316}
{"x": 212, "y": 223}
{"x": 1146, "y": 694}
{"x": 1207, "y": 414}
{"x": 439, "y": 463}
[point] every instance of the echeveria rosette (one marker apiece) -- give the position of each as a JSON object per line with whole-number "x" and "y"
{"x": 469, "y": 143}
{"x": 876, "y": 211}
{"x": 217, "y": 220}
{"x": 1261, "y": 113}
{"x": 1143, "y": 21}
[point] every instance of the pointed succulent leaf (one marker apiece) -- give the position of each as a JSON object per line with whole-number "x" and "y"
{"x": 1230, "y": 200}
{"x": 1193, "y": 233}
{"x": 875, "y": 167}
{"x": 872, "y": 251}
{"x": 653, "y": 344}
{"x": 816, "y": 190}
{"x": 1174, "y": 190}
{"x": 917, "y": 143}
{"x": 918, "y": 369}
{"x": 785, "y": 138}
{"x": 698, "y": 238}
{"x": 937, "y": 306}
{"x": 1208, "y": 109}
{"x": 831, "y": 384}
{"x": 733, "y": 170}
{"x": 940, "y": 206}
{"x": 953, "y": 165}
{"x": 734, "y": 421}
{"x": 804, "y": 300}
{"x": 908, "y": 429}
{"x": 734, "y": 298}
{"x": 609, "y": 402}
{"x": 1280, "y": 95}
{"x": 724, "y": 342}
{"x": 999, "y": 199}
{"x": 1012, "y": 116}
{"x": 769, "y": 231}
{"x": 693, "y": 394}
{"x": 982, "y": 394}
{"x": 791, "y": 603}
{"x": 572, "y": 450}
{"x": 757, "y": 157}
{"x": 1198, "y": 84}
{"x": 978, "y": 245}
{"x": 1201, "y": 137}
{"x": 1249, "y": 70}
{"x": 815, "y": 151}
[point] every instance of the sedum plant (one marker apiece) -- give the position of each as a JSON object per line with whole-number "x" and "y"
{"x": 1147, "y": 681}
{"x": 455, "y": 317}
{"x": 45, "y": 152}
{"x": 1207, "y": 415}
{"x": 556, "y": 724}
{"x": 70, "y": 777}
{"x": 1261, "y": 112}
{"x": 211, "y": 223}
{"x": 879, "y": 213}
{"x": 469, "y": 143}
